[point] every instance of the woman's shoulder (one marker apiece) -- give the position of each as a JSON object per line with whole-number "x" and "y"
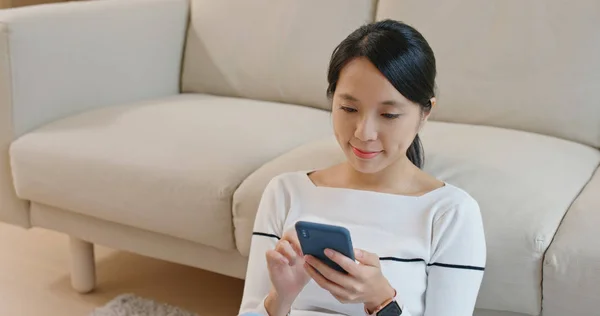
{"x": 457, "y": 194}
{"x": 458, "y": 201}
{"x": 289, "y": 181}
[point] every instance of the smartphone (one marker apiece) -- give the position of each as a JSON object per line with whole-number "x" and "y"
{"x": 316, "y": 237}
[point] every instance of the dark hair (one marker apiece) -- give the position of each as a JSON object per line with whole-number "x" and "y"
{"x": 402, "y": 55}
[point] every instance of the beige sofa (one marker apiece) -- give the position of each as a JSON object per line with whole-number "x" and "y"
{"x": 154, "y": 125}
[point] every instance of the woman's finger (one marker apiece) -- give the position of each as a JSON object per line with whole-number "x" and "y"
{"x": 325, "y": 284}
{"x": 344, "y": 280}
{"x": 292, "y": 237}
{"x": 275, "y": 258}
{"x": 367, "y": 258}
{"x": 346, "y": 263}
{"x": 297, "y": 248}
{"x": 286, "y": 250}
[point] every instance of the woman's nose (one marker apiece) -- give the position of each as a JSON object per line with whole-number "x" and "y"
{"x": 366, "y": 130}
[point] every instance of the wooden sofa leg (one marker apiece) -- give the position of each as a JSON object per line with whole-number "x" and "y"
{"x": 83, "y": 266}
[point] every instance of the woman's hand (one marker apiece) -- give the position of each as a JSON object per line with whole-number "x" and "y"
{"x": 286, "y": 271}
{"x": 364, "y": 282}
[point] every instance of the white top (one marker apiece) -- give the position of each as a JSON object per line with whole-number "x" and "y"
{"x": 432, "y": 247}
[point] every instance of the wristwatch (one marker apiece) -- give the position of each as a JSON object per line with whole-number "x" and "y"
{"x": 391, "y": 309}
{"x": 388, "y": 308}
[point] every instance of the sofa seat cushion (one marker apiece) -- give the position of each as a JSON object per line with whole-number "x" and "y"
{"x": 168, "y": 166}
{"x": 524, "y": 184}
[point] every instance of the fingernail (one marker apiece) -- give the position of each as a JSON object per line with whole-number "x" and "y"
{"x": 284, "y": 261}
{"x": 358, "y": 253}
{"x": 328, "y": 253}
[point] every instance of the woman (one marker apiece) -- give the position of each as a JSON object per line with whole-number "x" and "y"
{"x": 420, "y": 242}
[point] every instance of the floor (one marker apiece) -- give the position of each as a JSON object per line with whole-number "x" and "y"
{"x": 34, "y": 279}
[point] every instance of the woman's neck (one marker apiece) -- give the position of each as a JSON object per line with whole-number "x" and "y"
{"x": 396, "y": 177}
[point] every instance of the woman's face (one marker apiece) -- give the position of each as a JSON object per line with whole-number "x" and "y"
{"x": 373, "y": 123}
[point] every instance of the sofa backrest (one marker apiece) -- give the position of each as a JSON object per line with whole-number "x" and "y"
{"x": 520, "y": 64}
{"x": 526, "y": 65}
{"x": 268, "y": 49}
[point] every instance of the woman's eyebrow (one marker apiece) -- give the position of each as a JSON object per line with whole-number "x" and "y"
{"x": 349, "y": 97}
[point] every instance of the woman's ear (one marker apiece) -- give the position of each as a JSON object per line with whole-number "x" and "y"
{"x": 426, "y": 115}
{"x": 432, "y": 103}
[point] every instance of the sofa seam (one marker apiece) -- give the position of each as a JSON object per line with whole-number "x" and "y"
{"x": 10, "y": 76}
{"x": 560, "y": 224}
{"x": 375, "y": 9}
{"x": 186, "y": 35}
{"x": 12, "y": 129}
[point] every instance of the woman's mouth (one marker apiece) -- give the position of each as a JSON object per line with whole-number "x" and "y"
{"x": 362, "y": 154}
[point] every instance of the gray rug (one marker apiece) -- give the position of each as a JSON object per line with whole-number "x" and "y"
{"x": 132, "y": 305}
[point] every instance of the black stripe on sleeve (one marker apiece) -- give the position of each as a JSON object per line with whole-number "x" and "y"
{"x": 266, "y": 235}
{"x": 443, "y": 265}
{"x": 456, "y": 266}
{"x": 401, "y": 259}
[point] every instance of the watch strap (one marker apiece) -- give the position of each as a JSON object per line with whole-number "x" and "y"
{"x": 384, "y": 307}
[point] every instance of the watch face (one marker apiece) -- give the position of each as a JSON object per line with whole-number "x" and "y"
{"x": 392, "y": 309}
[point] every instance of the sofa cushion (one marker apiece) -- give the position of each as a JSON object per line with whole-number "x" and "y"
{"x": 513, "y": 64}
{"x": 524, "y": 184}
{"x": 246, "y": 198}
{"x": 267, "y": 49}
{"x": 168, "y": 166}
{"x": 572, "y": 264}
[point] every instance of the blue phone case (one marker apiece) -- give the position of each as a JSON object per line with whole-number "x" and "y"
{"x": 315, "y": 238}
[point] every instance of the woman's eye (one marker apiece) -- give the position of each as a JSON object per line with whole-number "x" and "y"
{"x": 390, "y": 116}
{"x": 347, "y": 109}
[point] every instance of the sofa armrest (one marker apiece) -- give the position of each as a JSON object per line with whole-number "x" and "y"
{"x": 60, "y": 59}
{"x": 571, "y": 282}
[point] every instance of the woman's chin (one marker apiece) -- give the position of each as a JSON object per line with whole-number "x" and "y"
{"x": 366, "y": 166}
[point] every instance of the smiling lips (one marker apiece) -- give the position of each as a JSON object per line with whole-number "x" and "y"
{"x": 364, "y": 154}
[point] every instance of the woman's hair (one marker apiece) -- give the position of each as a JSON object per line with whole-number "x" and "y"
{"x": 402, "y": 55}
